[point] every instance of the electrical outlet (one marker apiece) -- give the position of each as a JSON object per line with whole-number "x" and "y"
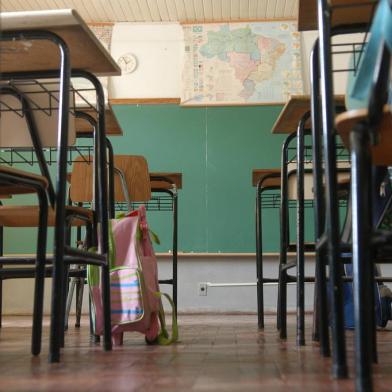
{"x": 202, "y": 288}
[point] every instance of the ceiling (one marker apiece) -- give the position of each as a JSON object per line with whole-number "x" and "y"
{"x": 164, "y": 10}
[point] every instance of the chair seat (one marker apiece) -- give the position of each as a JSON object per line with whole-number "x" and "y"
{"x": 257, "y": 174}
{"x": 381, "y": 153}
{"x": 20, "y": 189}
{"x": 175, "y": 178}
{"x": 27, "y": 216}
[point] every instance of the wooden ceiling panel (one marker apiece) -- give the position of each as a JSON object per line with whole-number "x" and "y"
{"x": 180, "y": 10}
{"x": 235, "y": 9}
{"x": 244, "y": 9}
{"x": 226, "y": 10}
{"x": 134, "y": 5}
{"x": 171, "y": 10}
{"x": 270, "y": 12}
{"x": 199, "y": 11}
{"x": 217, "y": 9}
{"x": 145, "y": 10}
{"x": 164, "y": 10}
{"x": 261, "y": 9}
{"x": 279, "y": 6}
{"x": 154, "y": 10}
{"x": 190, "y": 10}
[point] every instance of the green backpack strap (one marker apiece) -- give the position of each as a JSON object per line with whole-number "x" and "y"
{"x": 164, "y": 338}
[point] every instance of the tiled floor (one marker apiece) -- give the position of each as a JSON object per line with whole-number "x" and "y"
{"x": 215, "y": 353}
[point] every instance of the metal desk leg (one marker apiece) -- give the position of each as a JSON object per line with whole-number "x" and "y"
{"x": 284, "y": 242}
{"x": 332, "y": 214}
{"x": 321, "y": 278}
{"x": 259, "y": 260}
{"x": 175, "y": 249}
{"x": 300, "y": 232}
{"x": 362, "y": 265}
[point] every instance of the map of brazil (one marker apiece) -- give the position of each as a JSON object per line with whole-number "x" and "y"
{"x": 241, "y": 63}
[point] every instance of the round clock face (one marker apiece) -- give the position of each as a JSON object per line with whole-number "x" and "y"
{"x": 127, "y": 62}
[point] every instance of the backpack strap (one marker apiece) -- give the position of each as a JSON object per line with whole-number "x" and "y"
{"x": 164, "y": 338}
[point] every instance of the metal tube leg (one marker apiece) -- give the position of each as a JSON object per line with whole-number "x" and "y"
{"x": 300, "y": 233}
{"x": 64, "y": 301}
{"x": 284, "y": 240}
{"x": 321, "y": 279}
{"x": 332, "y": 214}
{"x": 56, "y": 326}
{"x": 40, "y": 274}
{"x": 175, "y": 251}
{"x": 259, "y": 261}
{"x": 79, "y": 300}
{"x": 361, "y": 230}
{"x": 69, "y": 302}
{"x": 1, "y": 280}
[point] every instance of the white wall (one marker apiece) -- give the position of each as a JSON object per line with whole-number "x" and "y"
{"x": 158, "y": 48}
{"x": 18, "y": 293}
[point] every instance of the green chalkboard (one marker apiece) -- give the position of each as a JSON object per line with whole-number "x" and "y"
{"x": 216, "y": 149}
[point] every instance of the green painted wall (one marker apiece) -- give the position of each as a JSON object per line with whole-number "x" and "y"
{"x": 216, "y": 149}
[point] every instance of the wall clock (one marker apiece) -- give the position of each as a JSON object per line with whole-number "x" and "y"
{"x": 128, "y": 63}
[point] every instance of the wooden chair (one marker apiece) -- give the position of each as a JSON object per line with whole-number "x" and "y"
{"x": 132, "y": 184}
{"x": 298, "y": 187}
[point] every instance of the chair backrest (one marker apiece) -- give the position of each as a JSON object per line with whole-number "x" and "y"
{"x": 134, "y": 170}
{"x": 343, "y": 174}
{"x": 43, "y": 98}
{"x": 137, "y": 178}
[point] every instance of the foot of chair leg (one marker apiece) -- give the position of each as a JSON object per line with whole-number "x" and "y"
{"x": 339, "y": 372}
{"x": 54, "y": 357}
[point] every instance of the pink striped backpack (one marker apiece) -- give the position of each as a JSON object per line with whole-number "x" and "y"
{"x": 136, "y": 303}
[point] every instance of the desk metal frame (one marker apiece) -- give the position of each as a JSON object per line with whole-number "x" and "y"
{"x": 60, "y": 248}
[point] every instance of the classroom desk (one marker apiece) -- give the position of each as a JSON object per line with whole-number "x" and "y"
{"x": 337, "y": 17}
{"x": 112, "y": 126}
{"x": 59, "y": 44}
{"x": 345, "y": 12}
{"x": 292, "y": 112}
{"x": 176, "y": 179}
{"x": 294, "y": 119}
{"x": 86, "y": 52}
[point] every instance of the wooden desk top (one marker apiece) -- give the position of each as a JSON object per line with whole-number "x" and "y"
{"x": 87, "y": 52}
{"x": 381, "y": 152}
{"x": 346, "y": 12}
{"x": 269, "y": 182}
{"x": 295, "y": 108}
{"x": 176, "y": 178}
{"x": 112, "y": 127}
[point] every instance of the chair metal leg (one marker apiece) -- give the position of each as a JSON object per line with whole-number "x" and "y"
{"x": 79, "y": 300}
{"x": 175, "y": 251}
{"x": 1, "y": 280}
{"x": 259, "y": 261}
{"x": 321, "y": 279}
{"x": 57, "y": 327}
{"x": 300, "y": 232}
{"x": 70, "y": 294}
{"x": 339, "y": 360}
{"x": 284, "y": 241}
{"x": 40, "y": 273}
{"x": 361, "y": 234}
